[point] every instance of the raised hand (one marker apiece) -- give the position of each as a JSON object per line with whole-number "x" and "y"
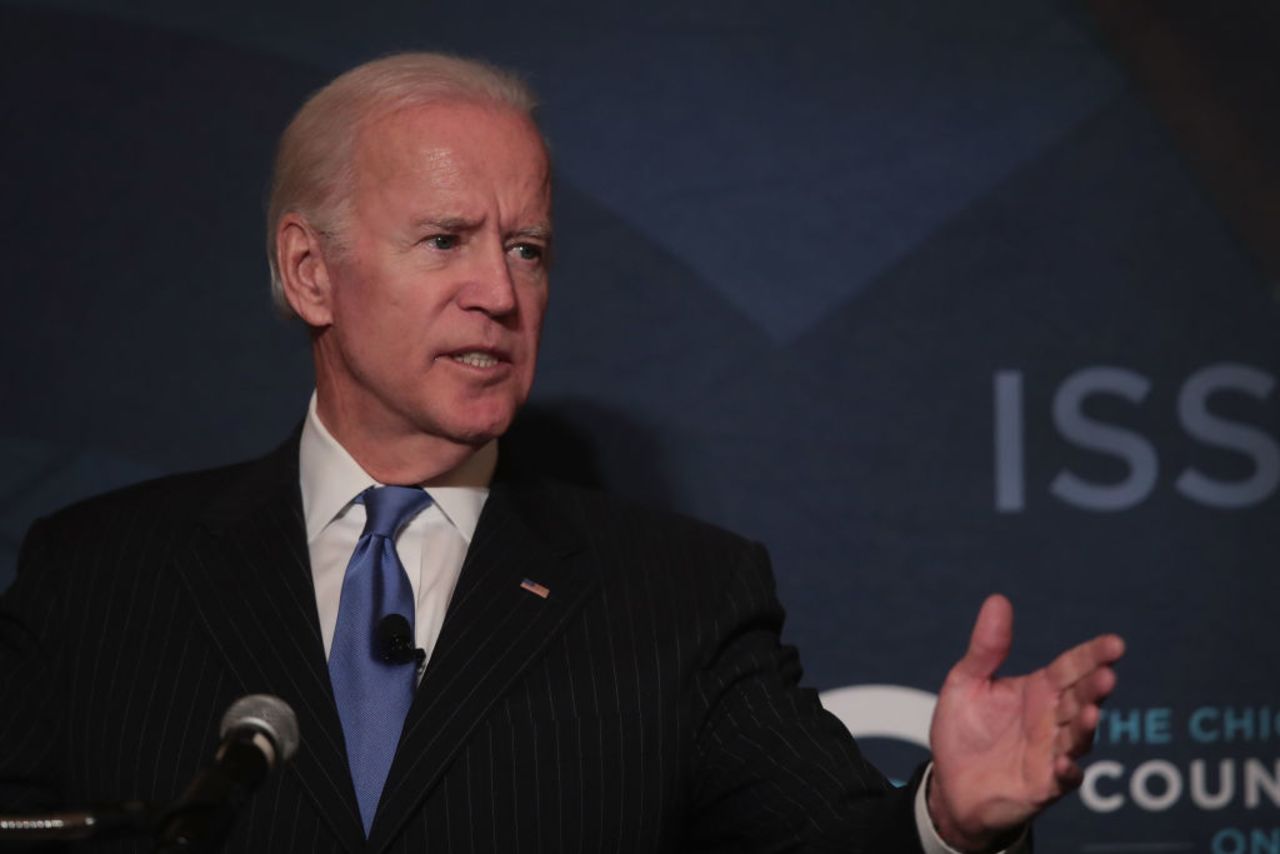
{"x": 1005, "y": 748}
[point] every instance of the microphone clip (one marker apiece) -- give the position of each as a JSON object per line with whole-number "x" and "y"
{"x": 393, "y": 642}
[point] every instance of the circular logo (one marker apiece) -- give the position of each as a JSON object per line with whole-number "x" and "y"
{"x": 883, "y": 711}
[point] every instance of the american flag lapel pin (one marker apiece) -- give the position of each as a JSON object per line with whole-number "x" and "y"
{"x": 535, "y": 588}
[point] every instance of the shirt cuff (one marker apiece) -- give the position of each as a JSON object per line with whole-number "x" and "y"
{"x": 932, "y": 843}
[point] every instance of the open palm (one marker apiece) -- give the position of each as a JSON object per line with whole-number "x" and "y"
{"x": 1005, "y": 748}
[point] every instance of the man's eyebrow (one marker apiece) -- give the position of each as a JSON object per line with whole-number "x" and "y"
{"x": 537, "y": 232}
{"x": 447, "y": 223}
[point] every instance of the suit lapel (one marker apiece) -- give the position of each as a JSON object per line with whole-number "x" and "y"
{"x": 249, "y": 573}
{"x": 493, "y": 630}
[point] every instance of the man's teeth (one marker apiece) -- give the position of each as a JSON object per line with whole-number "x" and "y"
{"x": 475, "y": 360}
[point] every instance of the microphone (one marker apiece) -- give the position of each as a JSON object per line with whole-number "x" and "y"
{"x": 259, "y": 733}
{"x": 108, "y": 821}
{"x": 393, "y": 640}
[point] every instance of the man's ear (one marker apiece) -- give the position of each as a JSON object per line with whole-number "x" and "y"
{"x": 304, "y": 272}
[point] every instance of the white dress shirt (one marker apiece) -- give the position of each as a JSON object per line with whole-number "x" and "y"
{"x": 432, "y": 547}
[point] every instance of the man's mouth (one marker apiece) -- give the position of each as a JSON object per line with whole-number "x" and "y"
{"x": 475, "y": 358}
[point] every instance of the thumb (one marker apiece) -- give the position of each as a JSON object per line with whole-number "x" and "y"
{"x": 989, "y": 644}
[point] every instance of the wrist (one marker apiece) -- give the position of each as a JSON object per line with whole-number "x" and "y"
{"x": 964, "y": 839}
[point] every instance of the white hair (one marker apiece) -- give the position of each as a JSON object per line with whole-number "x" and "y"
{"x": 313, "y": 172}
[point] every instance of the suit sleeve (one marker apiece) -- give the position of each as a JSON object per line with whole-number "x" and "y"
{"x": 31, "y": 615}
{"x": 773, "y": 770}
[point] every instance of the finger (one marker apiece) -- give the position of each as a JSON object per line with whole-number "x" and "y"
{"x": 1093, "y": 687}
{"x": 1068, "y": 707}
{"x": 1075, "y": 737}
{"x": 1077, "y": 708}
{"x": 1081, "y": 660}
{"x": 990, "y": 641}
{"x": 1067, "y": 773}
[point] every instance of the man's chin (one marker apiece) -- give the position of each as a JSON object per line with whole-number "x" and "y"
{"x": 478, "y": 432}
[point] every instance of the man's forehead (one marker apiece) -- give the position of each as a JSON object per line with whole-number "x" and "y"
{"x": 460, "y": 161}
{"x": 446, "y": 136}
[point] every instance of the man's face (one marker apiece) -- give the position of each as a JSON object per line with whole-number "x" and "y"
{"x": 440, "y": 284}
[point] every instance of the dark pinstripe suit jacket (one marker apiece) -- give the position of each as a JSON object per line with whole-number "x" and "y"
{"x": 645, "y": 705}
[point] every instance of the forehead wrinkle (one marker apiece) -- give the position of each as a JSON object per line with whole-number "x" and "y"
{"x": 452, "y": 189}
{"x": 388, "y": 151}
{"x": 385, "y": 179}
{"x": 530, "y": 216}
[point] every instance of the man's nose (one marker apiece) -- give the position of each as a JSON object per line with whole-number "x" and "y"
{"x": 490, "y": 286}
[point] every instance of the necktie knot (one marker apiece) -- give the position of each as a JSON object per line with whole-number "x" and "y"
{"x": 389, "y": 508}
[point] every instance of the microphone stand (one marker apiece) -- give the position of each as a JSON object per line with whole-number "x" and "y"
{"x": 116, "y": 821}
{"x": 258, "y": 733}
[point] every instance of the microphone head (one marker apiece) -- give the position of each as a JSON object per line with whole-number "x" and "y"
{"x": 393, "y": 639}
{"x": 267, "y": 715}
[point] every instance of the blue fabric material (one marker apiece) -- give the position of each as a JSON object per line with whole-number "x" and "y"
{"x": 373, "y": 697}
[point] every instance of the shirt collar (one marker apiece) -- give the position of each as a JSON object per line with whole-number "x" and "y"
{"x": 330, "y": 479}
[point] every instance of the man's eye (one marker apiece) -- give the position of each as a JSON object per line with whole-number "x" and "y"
{"x": 443, "y": 241}
{"x": 527, "y": 251}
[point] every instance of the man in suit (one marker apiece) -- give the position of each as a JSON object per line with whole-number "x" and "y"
{"x": 598, "y": 677}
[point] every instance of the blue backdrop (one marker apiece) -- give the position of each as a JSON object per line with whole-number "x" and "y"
{"x": 934, "y": 299}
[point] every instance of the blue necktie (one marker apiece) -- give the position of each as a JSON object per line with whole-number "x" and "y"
{"x": 374, "y": 696}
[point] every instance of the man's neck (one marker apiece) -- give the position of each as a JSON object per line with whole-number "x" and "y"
{"x": 415, "y": 459}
